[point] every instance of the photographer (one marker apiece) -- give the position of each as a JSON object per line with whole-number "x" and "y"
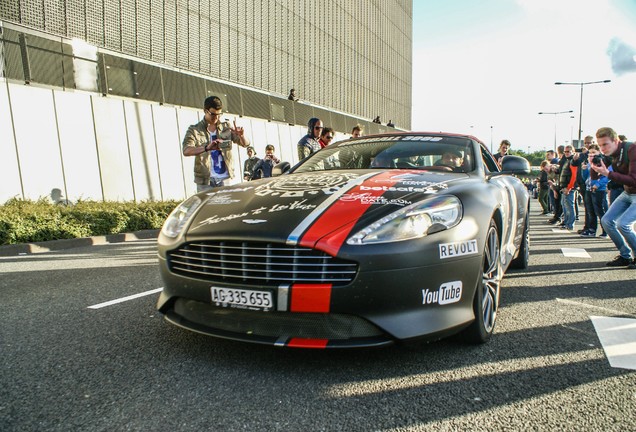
{"x": 210, "y": 135}
{"x": 596, "y": 192}
{"x": 263, "y": 167}
{"x": 619, "y": 220}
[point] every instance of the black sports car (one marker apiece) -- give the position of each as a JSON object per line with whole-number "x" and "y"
{"x": 367, "y": 242}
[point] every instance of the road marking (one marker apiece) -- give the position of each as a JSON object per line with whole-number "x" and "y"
{"x": 587, "y": 305}
{"x": 123, "y": 299}
{"x": 575, "y": 253}
{"x": 618, "y": 337}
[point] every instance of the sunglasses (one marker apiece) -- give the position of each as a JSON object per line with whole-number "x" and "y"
{"x": 329, "y": 137}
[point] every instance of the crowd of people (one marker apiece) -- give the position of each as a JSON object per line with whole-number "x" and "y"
{"x": 601, "y": 176}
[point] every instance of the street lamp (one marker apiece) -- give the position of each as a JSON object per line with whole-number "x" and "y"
{"x": 581, "y": 103}
{"x": 555, "y": 123}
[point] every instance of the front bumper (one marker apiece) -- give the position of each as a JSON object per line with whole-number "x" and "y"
{"x": 378, "y": 308}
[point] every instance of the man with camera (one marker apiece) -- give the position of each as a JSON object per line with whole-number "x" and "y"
{"x": 264, "y": 167}
{"x": 595, "y": 192}
{"x": 210, "y": 141}
{"x": 619, "y": 219}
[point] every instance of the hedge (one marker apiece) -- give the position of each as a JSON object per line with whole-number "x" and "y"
{"x": 24, "y": 221}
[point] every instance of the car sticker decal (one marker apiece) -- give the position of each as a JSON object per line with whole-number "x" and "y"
{"x": 307, "y": 343}
{"x": 314, "y": 298}
{"x": 455, "y": 249}
{"x": 339, "y": 211}
{"x": 294, "y": 236}
{"x": 449, "y": 292}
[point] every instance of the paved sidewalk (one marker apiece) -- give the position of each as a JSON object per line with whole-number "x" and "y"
{"x": 53, "y": 245}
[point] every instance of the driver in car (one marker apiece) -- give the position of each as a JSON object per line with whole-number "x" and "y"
{"x": 451, "y": 159}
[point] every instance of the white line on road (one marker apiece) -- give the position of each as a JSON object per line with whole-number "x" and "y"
{"x": 123, "y": 299}
{"x": 618, "y": 337}
{"x": 614, "y": 311}
{"x": 575, "y": 253}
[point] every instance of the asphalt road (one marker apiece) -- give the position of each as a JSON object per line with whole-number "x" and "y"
{"x": 121, "y": 367}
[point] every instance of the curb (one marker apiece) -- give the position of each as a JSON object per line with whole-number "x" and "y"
{"x": 55, "y": 245}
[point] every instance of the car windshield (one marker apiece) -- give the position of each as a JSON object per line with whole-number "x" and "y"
{"x": 437, "y": 153}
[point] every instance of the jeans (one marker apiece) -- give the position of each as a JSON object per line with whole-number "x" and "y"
{"x": 543, "y": 199}
{"x": 599, "y": 203}
{"x": 567, "y": 202}
{"x": 618, "y": 223}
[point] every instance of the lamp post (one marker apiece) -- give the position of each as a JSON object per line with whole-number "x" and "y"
{"x": 578, "y": 140}
{"x": 555, "y": 123}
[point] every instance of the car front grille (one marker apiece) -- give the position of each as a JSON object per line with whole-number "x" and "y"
{"x": 259, "y": 264}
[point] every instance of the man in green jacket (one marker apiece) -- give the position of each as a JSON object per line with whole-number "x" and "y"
{"x": 210, "y": 142}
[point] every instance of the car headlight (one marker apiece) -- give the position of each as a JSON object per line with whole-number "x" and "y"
{"x": 417, "y": 220}
{"x": 180, "y": 216}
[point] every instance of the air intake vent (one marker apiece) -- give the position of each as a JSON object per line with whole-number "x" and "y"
{"x": 259, "y": 264}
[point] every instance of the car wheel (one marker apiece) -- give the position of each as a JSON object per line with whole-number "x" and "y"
{"x": 523, "y": 257}
{"x": 486, "y": 298}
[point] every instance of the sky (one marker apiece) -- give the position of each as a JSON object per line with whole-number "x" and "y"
{"x": 488, "y": 67}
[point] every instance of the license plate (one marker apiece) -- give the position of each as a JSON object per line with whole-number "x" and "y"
{"x": 242, "y": 299}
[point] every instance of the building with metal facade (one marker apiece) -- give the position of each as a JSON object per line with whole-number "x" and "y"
{"x": 349, "y": 61}
{"x": 353, "y": 56}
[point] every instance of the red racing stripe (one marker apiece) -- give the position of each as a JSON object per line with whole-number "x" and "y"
{"x": 310, "y": 298}
{"x": 307, "y": 343}
{"x": 345, "y": 210}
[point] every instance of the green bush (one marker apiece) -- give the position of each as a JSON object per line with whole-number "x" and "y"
{"x": 24, "y": 221}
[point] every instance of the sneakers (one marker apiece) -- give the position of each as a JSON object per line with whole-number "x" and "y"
{"x": 588, "y": 233}
{"x": 604, "y": 236}
{"x": 619, "y": 261}
{"x": 552, "y": 221}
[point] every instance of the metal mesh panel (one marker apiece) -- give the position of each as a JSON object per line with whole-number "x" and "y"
{"x": 119, "y": 76}
{"x": 112, "y": 28}
{"x": 45, "y": 61}
{"x": 76, "y": 18}
{"x": 204, "y": 41}
{"x": 95, "y": 22}
{"x": 324, "y": 115}
{"x": 233, "y": 55}
{"x": 230, "y": 96}
{"x": 255, "y": 104}
{"x": 143, "y": 29}
{"x": 10, "y": 10}
{"x": 170, "y": 33}
{"x": 128, "y": 28}
{"x": 281, "y": 108}
{"x": 157, "y": 29}
{"x": 339, "y": 123}
{"x": 214, "y": 37}
{"x": 303, "y": 113}
{"x": 182, "y": 34}
{"x": 224, "y": 54}
{"x": 13, "y": 60}
{"x": 194, "y": 35}
{"x": 149, "y": 84}
{"x": 54, "y": 21}
{"x": 184, "y": 90}
{"x": 31, "y": 13}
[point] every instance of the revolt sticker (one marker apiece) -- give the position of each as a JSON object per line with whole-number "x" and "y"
{"x": 449, "y": 292}
{"x": 449, "y": 250}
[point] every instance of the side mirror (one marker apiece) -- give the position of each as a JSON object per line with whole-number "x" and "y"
{"x": 514, "y": 165}
{"x": 280, "y": 169}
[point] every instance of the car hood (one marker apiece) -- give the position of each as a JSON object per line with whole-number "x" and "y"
{"x": 309, "y": 208}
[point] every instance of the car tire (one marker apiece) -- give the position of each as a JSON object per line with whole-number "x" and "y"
{"x": 486, "y": 300}
{"x": 523, "y": 257}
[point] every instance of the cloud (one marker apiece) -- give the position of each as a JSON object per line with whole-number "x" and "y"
{"x": 622, "y": 56}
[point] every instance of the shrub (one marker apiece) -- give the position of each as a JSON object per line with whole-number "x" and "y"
{"x": 25, "y": 221}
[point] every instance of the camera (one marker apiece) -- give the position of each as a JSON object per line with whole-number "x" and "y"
{"x": 596, "y": 160}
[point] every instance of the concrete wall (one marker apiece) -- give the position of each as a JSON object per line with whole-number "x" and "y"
{"x": 92, "y": 147}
